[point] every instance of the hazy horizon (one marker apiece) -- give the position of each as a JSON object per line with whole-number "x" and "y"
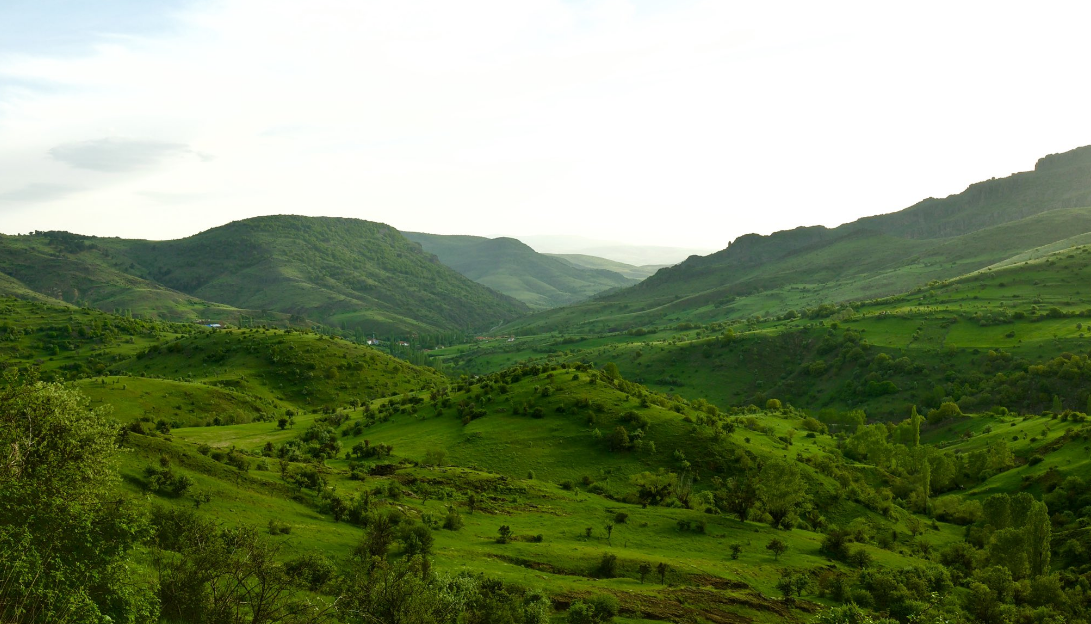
{"x": 675, "y": 125}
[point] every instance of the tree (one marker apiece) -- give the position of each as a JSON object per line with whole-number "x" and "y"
{"x": 738, "y": 496}
{"x": 777, "y": 547}
{"x": 60, "y": 518}
{"x": 434, "y": 456}
{"x": 786, "y": 585}
{"x": 619, "y": 439}
{"x": 653, "y": 487}
{"x": 379, "y": 537}
{"x": 611, "y": 371}
{"x": 644, "y": 570}
{"x": 1037, "y": 534}
{"x": 735, "y": 550}
{"x": 781, "y": 489}
{"x": 416, "y": 539}
{"x": 661, "y": 569}
{"x": 504, "y": 534}
{"x": 209, "y": 574}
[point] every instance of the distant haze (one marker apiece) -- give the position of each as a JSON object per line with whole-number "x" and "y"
{"x": 637, "y": 255}
{"x": 679, "y": 124}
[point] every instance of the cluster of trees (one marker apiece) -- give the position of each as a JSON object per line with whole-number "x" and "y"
{"x": 67, "y": 542}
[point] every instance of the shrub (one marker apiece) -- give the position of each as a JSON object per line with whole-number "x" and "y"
{"x": 607, "y": 567}
{"x": 453, "y": 521}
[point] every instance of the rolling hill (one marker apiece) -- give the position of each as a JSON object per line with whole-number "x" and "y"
{"x": 989, "y": 223}
{"x": 559, "y": 485}
{"x": 511, "y": 267}
{"x": 347, "y": 273}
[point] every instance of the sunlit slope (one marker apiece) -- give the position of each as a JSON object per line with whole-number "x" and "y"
{"x": 301, "y": 368}
{"x": 348, "y": 272}
{"x": 860, "y": 265}
{"x": 991, "y": 338}
{"x": 988, "y": 223}
{"x": 62, "y": 267}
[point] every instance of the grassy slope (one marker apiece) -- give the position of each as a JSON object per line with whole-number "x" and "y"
{"x": 987, "y": 224}
{"x": 773, "y": 357}
{"x": 502, "y": 447}
{"x": 232, "y": 375}
{"x": 510, "y": 267}
{"x": 70, "y": 269}
{"x": 347, "y": 273}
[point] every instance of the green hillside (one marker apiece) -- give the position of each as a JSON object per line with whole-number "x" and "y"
{"x": 871, "y": 425}
{"x": 990, "y": 223}
{"x": 63, "y": 267}
{"x": 508, "y": 266}
{"x": 999, "y": 337}
{"x": 346, "y": 273}
{"x": 372, "y": 487}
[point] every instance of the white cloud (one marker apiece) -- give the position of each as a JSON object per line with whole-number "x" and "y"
{"x": 36, "y": 193}
{"x": 115, "y": 155}
{"x": 684, "y": 124}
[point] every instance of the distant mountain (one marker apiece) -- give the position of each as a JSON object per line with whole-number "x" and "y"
{"x": 343, "y": 272}
{"x": 594, "y": 262}
{"x": 511, "y": 267}
{"x": 989, "y": 223}
{"x": 637, "y": 255}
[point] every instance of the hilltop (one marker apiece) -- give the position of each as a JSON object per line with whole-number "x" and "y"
{"x": 347, "y": 273}
{"x": 511, "y": 267}
{"x": 937, "y": 239}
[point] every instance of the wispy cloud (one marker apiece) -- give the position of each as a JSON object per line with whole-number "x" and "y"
{"x": 38, "y": 193}
{"x": 674, "y": 123}
{"x": 117, "y": 155}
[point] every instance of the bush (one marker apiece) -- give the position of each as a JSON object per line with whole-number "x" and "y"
{"x": 279, "y": 528}
{"x": 312, "y": 571}
{"x": 453, "y": 521}
{"x": 607, "y": 567}
{"x": 860, "y": 558}
{"x": 598, "y": 609}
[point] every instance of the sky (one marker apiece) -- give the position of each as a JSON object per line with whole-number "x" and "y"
{"x": 681, "y": 123}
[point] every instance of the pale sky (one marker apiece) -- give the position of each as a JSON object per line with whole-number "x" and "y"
{"x": 679, "y": 123}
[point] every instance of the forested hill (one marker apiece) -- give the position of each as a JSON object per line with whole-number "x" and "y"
{"x": 513, "y": 268}
{"x": 1058, "y": 181}
{"x": 347, "y": 273}
{"x": 988, "y": 223}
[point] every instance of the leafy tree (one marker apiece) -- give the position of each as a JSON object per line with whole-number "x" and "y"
{"x": 64, "y": 535}
{"x": 662, "y": 569}
{"x": 777, "y": 547}
{"x": 781, "y": 489}
{"x": 736, "y": 549}
{"x": 1038, "y": 534}
{"x": 416, "y": 539}
{"x": 644, "y": 570}
{"x": 378, "y": 538}
{"x": 654, "y": 488}
{"x": 738, "y": 496}
{"x": 619, "y": 439}
{"x": 208, "y": 574}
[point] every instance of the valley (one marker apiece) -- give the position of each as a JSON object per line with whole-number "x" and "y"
{"x": 318, "y": 420}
